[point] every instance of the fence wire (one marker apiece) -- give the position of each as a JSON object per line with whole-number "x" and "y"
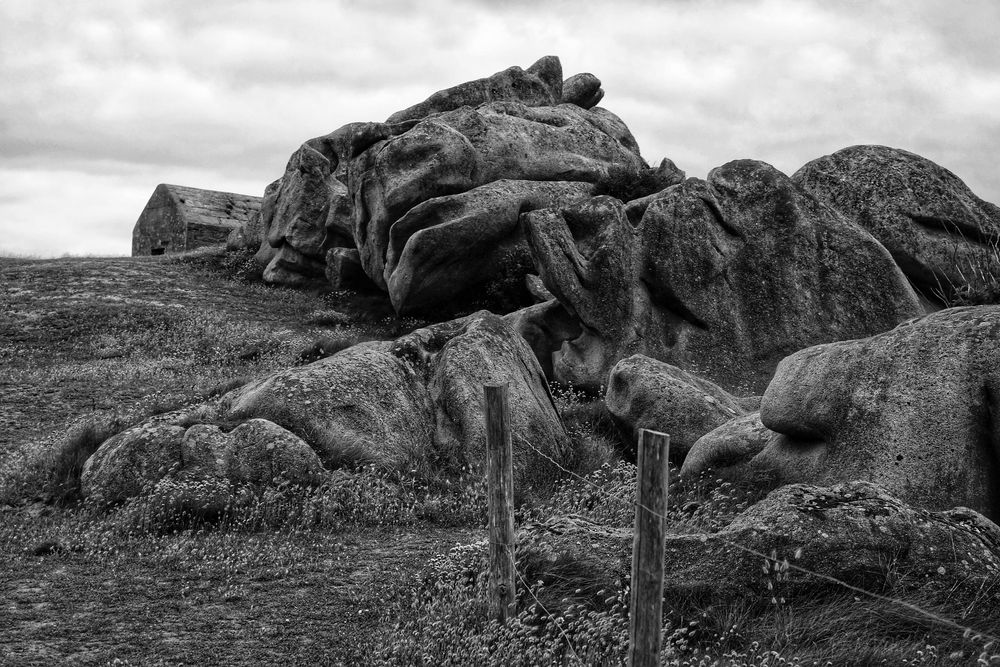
{"x": 541, "y": 606}
{"x": 965, "y": 630}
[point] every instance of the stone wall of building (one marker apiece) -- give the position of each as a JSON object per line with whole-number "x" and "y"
{"x": 179, "y": 218}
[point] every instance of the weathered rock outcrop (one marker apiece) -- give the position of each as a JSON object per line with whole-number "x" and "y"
{"x": 410, "y": 403}
{"x": 855, "y": 533}
{"x": 914, "y": 410}
{"x": 647, "y": 394}
{"x": 457, "y": 151}
{"x": 257, "y": 452}
{"x": 943, "y": 236}
{"x": 539, "y": 85}
{"x": 309, "y": 211}
{"x": 362, "y": 405}
{"x": 429, "y": 199}
{"x": 724, "y": 277}
{"x": 584, "y": 90}
{"x": 297, "y": 230}
{"x": 457, "y": 359}
{"x": 726, "y": 448}
{"x": 446, "y": 246}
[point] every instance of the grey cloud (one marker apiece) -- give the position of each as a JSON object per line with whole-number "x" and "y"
{"x": 223, "y": 92}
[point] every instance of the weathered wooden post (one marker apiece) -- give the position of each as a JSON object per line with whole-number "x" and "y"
{"x": 646, "y": 602}
{"x": 500, "y": 483}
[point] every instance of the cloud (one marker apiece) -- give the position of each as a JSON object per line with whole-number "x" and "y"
{"x": 225, "y": 91}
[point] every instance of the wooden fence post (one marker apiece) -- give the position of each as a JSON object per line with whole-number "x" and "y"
{"x": 646, "y": 602}
{"x": 500, "y": 483}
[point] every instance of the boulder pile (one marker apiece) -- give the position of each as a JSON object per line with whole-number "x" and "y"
{"x": 410, "y": 404}
{"x": 680, "y": 300}
{"x": 426, "y": 204}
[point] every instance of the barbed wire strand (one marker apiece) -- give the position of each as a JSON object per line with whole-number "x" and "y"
{"x": 964, "y": 629}
{"x": 542, "y": 606}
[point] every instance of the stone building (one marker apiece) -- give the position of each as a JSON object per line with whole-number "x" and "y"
{"x": 179, "y": 218}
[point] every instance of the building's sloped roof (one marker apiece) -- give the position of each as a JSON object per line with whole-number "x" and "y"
{"x": 210, "y": 207}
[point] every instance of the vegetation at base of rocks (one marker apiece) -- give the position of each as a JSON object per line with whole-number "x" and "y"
{"x": 978, "y": 282}
{"x": 325, "y": 346}
{"x": 241, "y": 266}
{"x": 607, "y": 496}
{"x": 68, "y": 459}
{"x": 568, "y": 616}
{"x": 587, "y": 421}
{"x": 368, "y": 497}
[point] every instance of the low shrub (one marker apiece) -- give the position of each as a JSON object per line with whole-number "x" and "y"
{"x": 325, "y": 346}
{"x": 978, "y": 282}
{"x": 367, "y": 497}
{"x": 69, "y": 458}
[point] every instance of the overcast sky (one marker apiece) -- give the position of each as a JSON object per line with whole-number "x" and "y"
{"x": 102, "y": 100}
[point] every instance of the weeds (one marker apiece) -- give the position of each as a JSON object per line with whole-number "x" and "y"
{"x": 977, "y": 277}
{"x": 367, "y": 497}
{"x": 72, "y": 454}
{"x": 325, "y": 346}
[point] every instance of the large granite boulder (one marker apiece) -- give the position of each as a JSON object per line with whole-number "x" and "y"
{"x": 539, "y": 85}
{"x": 723, "y": 277}
{"x": 855, "y": 533}
{"x": 132, "y": 461}
{"x": 727, "y": 448}
{"x": 644, "y": 393}
{"x": 914, "y": 410}
{"x": 297, "y": 229}
{"x": 362, "y": 405}
{"x": 415, "y": 403}
{"x": 458, "y": 358}
{"x": 257, "y": 453}
{"x": 457, "y": 151}
{"x": 310, "y": 211}
{"x": 583, "y": 90}
{"x": 446, "y": 247}
{"x": 943, "y": 236}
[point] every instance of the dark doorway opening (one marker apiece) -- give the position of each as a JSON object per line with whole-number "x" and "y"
{"x": 157, "y": 251}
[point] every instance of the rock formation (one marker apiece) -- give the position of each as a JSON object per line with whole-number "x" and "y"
{"x": 429, "y": 200}
{"x": 724, "y": 449}
{"x": 540, "y": 85}
{"x": 722, "y": 277}
{"x": 568, "y": 148}
{"x": 943, "y": 237}
{"x": 258, "y": 453}
{"x": 914, "y": 410}
{"x": 856, "y": 533}
{"x": 647, "y": 394}
{"x": 415, "y": 402}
